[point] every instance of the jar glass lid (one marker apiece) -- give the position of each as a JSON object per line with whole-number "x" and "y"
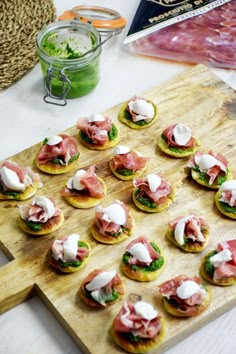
{"x": 103, "y": 19}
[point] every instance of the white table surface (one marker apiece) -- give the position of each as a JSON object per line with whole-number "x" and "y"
{"x": 30, "y": 328}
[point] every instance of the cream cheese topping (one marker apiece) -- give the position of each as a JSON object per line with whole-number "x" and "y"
{"x": 100, "y": 280}
{"x": 114, "y": 213}
{"x": 142, "y": 108}
{"x": 96, "y": 118}
{"x": 11, "y": 179}
{"x": 140, "y": 252}
{"x": 145, "y": 310}
{"x": 221, "y": 257}
{"x": 187, "y": 289}
{"x": 182, "y": 134}
{"x": 120, "y": 150}
{"x": 154, "y": 181}
{"x": 54, "y": 140}
{"x": 70, "y": 247}
{"x": 74, "y": 182}
{"x": 46, "y": 204}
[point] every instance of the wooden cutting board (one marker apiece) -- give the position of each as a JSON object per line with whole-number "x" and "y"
{"x": 196, "y": 98}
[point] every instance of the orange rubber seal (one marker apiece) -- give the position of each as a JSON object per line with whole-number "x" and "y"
{"x": 100, "y": 17}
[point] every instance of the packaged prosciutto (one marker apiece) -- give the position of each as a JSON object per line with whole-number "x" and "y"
{"x": 199, "y": 31}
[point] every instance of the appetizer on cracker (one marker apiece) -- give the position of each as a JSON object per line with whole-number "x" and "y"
{"x": 112, "y": 224}
{"x": 17, "y": 182}
{"x": 138, "y": 327}
{"x": 225, "y": 199}
{"x": 177, "y": 141}
{"x": 40, "y": 217}
{"x": 209, "y": 170}
{"x": 69, "y": 253}
{"x": 190, "y": 233}
{"x": 127, "y": 164}
{"x": 219, "y": 266}
{"x": 84, "y": 189}
{"x": 58, "y": 154}
{"x": 138, "y": 113}
{"x": 152, "y": 193}
{"x": 98, "y": 132}
{"x": 142, "y": 260}
{"x": 101, "y": 288}
{"x": 185, "y": 296}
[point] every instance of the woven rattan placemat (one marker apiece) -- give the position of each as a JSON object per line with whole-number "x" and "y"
{"x": 20, "y": 21}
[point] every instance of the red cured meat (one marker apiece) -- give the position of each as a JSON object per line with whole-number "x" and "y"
{"x": 131, "y": 161}
{"x": 208, "y": 38}
{"x": 96, "y": 131}
{"x": 143, "y": 239}
{"x": 159, "y": 195}
{"x": 57, "y": 249}
{"x": 135, "y": 324}
{"x": 91, "y": 183}
{"x": 168, "y": 133}
{"x": 191, "y": 226}
{"x": 68, "y": 147}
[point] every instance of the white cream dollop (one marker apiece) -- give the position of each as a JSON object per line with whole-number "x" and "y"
{"x": 182, "y": 134}
{"x": 114, "y": 213}
{"x": 221, "y": 257}
{"x": 145, "y": 310}
{"x": 207, "y": 161}
{"x": 180, "y": 228}
{"x": 154, "y": 181}
{"x": 54, "y": 140}
{"x": 228, "y": 186}
{"x": 120, "y": 149}
{"x": 142, "y": 108}
{"x": 70, "y": 247}
{"x": 187, "y": 289}
{"x": 140, "y": 252}
{"x": 100, "y": 280}
{"x": 74, "y": 182}
{"x": 96, "y": 118}
{"x": 46, "y": 204}
{"x": 11, "y": 179}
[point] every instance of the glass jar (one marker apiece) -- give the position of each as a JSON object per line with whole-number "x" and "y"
{"x": 69, "y": 53}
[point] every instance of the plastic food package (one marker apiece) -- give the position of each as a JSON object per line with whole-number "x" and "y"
{"x": 199, "y": 31}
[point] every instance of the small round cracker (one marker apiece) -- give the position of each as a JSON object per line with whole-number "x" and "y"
{"x": 221, "y": 209}
{"x": 122, "y": 117}
{"x": 192, "y": 247}
{"x": 84, "y": 201}
{"x": 56, "y": 168}
{"x": 186, "y": 152}
{"x": 143, "y": 346}
{"x": 108, "y": 144}
{"x": 227, "y": 281}
{"x": 197, "y": 309}
{"x": 158, "y": 208}
{"x": 69, "y": 269}
{"x": 26, "y": 194}
{"x": 47, "y": 227}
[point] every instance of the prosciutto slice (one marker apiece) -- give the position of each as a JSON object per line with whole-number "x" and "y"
{"x": 91, "y": 184}
{"x": 226, "y": 269}
{"x": 145, "y": 242}
{"x": 131, "y": 161}
{"x": 64, "y": 150}
{"x": 169, "y": 288}
{"x": 168, "y": 134}
{"x": 97, "y": 131}
{"x": 58, "y": 250}
{"x": 159, "y": 195}
{"x": 208, "y": 38}
{"x": 25, "y": 175}
{"x": 129, "y": 321}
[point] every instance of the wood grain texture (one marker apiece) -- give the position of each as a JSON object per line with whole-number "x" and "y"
{"x": 196, "y": 98}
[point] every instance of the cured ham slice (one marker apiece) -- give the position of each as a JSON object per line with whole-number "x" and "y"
{"x": 183, "y": 295}
{"x": 208, "y": 38}
{"x": 96, "y": 130}
{"x": 131, "y": 160}
{"x": 64, "y": 150}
